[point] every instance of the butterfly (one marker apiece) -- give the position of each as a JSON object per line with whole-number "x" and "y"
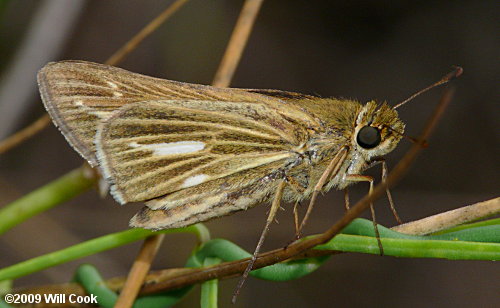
{"x": 193, "y": 152}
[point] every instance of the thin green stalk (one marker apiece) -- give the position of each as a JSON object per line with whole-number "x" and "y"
{"x": 408, "y": 248}
{"x": 209, "y": 289}
{"x": 478, "y": 243}
{"x": 489, "y": 222}
{"x": 45, "y": 197}
{"x": 88, "y": 248}
{"x": 487, "y": 231}
{"x": 89, "y": 277}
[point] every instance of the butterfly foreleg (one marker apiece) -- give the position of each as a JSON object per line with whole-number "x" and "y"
{"x": 388, "y": 192}
{"x": 385, "y": 171}
{"x": 346, "y": 199}
{"x": 367, "y": 178}
{"x": 299, "y": 189}
{"x": 330, "y": 172}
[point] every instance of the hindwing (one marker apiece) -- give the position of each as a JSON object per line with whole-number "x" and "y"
{"x": 153, "y": 148}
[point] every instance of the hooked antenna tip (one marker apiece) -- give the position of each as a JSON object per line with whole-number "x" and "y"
{"x": 455, "y": 74}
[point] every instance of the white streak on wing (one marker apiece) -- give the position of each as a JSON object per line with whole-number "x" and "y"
{"x": 117, "y": 94}
{"x": 112, "y": 84}
{"x": 179, "y": 147}
{"x": 194, "y": 180}
{"x": 99, "y": 114}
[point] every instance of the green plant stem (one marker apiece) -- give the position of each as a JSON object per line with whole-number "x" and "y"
{"x": 88, "y": 276}
{"x": 209, "y": 289}
{"x": 473, "y": 243}
{"x": 407, "y": 248}
{"x": 487, "y": 231}
{"x": 88, "y": 248}
{"x": 484, "y": 223}
{"x": 45, "y": 197}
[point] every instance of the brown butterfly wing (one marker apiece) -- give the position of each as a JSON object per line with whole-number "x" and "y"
{"x": 80, "y": 95}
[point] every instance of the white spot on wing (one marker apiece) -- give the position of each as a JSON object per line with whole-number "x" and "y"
{"x": 117, "y": 94}
{"x": 100, "y": 114}
{"x": 194, "y": 180}
{"x": 170, "y": 148}
{"x": 112, "y": 84}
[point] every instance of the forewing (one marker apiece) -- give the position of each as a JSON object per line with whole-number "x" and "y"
{"x": 150, "y": 149}
{"x": 79, "y": 95}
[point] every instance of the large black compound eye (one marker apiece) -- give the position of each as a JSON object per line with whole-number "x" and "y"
{"x": 368, "y": 137}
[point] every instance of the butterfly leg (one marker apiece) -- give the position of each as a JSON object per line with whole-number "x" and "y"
{"x": 388, "y": 192}
{"x": 270, "y": 218}
{"x": 329, "y": 173}
{"x": 346, "y": 199}
{"x": 299, "y": 188}
{"x": 366, "y": 178}
{"x": 385, "y": 171}
{"x": 296, "y": 217}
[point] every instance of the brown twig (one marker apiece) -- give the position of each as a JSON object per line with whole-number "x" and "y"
{"x": 132, "y": 44}
{"x": 223, "y": 77}
{"x": 42, "y": 122}
{"x": 451, "y": 218}
{"x": 237, "y": 43}
{"x": 24, "y": 134}
{"x": 139, "y": 270}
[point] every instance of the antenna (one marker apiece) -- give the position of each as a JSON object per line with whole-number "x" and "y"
{"x": 456, "y": 73}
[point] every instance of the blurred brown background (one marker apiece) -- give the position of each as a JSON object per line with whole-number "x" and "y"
{"x": 382, "y": 50}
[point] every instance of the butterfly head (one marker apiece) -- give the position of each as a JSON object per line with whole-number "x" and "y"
{"x": 378, "y": 130}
